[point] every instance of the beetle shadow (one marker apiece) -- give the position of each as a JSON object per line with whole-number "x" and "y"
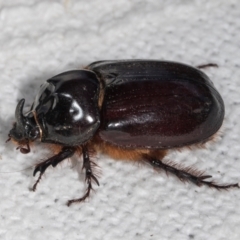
{"x": 30, "y": 87}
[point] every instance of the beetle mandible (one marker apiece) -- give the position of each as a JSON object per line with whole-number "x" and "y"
{"x": 132, "y": 109}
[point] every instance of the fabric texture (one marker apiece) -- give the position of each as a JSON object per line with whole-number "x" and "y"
{"x": 40, "y": 39}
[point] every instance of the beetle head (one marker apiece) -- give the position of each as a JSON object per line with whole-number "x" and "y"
{"x": 24, "y": 129}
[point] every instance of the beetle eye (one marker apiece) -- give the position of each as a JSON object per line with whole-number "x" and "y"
{"x": 33, "y": 134}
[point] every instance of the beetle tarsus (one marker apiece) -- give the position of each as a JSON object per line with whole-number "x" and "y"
{"x": 89, "y": 176}
{"x": 36, "y": 183}
{"x": 212, "y": 184}
{"x": 187, "y": 174}
{"x": 54, "y": 161}
{"x": 207, "y": 65}
{"x": 84, "y": 197}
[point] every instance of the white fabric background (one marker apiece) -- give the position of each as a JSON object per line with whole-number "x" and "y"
{"x": 39, "y": 39}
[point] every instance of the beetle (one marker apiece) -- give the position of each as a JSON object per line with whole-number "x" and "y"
{"x": 131, "y": 109}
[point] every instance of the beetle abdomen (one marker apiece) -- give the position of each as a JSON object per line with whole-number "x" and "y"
{"x": 159, "y": 105}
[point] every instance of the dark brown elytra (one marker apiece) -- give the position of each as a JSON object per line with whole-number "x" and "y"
{"x": 128, "y": 109}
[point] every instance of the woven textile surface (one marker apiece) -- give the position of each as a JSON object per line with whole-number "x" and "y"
{"x": 40, "y": 39}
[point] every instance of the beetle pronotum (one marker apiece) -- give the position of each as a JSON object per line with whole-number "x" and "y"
{"x": 132, "y": 109}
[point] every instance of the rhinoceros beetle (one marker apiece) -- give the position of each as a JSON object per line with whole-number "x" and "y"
{"x": 131, "y": 109}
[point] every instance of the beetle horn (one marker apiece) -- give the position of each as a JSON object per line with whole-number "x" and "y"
{"x": 19, "y": 114}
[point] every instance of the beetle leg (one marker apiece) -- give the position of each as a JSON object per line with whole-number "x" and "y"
{"x": 187, "y": 174}
{"x": 89, "y": 176}
{"x": 54, "y": 161}
{"x": 207, "y": 65}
